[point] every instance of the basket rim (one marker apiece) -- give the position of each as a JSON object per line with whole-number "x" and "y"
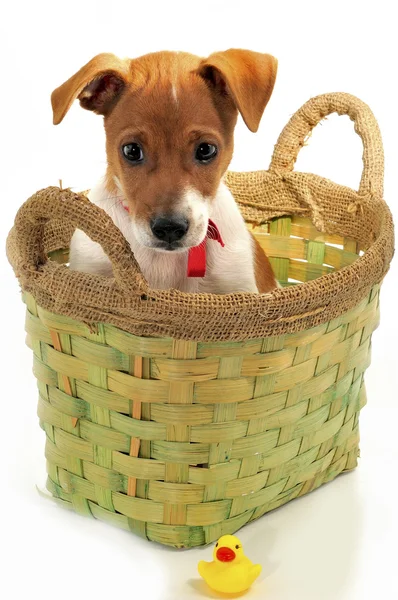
{"x": 278, "y": 309}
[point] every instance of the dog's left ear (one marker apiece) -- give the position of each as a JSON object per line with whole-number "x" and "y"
{"x": 248, "y": 77}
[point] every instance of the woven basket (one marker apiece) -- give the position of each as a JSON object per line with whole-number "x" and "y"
{"x": 182, "y": 417}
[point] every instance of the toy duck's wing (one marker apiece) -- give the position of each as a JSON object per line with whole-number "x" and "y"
{"x": 254, "y": 573}
{"x": 203, "y": 568}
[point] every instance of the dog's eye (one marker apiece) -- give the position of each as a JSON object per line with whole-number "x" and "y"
{"x": 205, "y": 152}
{"x": 133, "y": 152}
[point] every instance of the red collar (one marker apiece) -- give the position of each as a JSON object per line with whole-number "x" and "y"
{"x": 197, "y": 255}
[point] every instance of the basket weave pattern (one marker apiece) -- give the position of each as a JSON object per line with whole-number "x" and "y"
{"x": 183, "y": 417}
{"x": 224, "y": 432}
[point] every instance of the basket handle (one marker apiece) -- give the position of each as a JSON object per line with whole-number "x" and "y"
{"x": 65, "y": 205}
{"x": 311, "y": 113}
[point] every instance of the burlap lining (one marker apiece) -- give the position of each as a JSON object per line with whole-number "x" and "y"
{"x": 47, "y": 220}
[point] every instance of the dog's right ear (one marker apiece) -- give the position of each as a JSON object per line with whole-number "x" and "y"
{"x": 97, "y": 85}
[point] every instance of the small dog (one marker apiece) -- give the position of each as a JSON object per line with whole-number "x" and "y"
{"x": 169, "y": 120}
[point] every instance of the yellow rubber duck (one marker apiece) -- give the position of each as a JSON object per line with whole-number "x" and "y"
{"x": 230, "y": 572}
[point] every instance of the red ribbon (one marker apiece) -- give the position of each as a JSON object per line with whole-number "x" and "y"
{"x": 197, "y": 255}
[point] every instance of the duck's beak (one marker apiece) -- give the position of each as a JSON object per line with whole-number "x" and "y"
{"x": 225, "y": 554}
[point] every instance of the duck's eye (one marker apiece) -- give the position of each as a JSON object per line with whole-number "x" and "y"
{"x": 217, "y": 545}
{"x": 205, "y": 152}
{"x": 237, "y": 547}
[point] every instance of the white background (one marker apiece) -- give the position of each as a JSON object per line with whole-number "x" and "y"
{"x": 338, "y": 543}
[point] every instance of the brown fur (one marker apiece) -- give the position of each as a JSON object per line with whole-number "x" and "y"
{"x": 137, "y": 99}
{"x": 265, "y": 278}
{"x": 169, "y": 132}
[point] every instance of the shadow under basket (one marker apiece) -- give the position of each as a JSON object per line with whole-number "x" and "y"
{"x": 183, "y": 417}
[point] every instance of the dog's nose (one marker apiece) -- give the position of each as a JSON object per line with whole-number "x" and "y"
{"x": 169, "y": 230}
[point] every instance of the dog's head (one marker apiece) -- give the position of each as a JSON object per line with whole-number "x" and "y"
{"x": 169, "y": 120}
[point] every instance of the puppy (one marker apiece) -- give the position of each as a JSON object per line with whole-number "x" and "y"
{"x": 169, "y": 120}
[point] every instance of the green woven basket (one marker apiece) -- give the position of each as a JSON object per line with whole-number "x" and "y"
{"x": 184, "y": 440}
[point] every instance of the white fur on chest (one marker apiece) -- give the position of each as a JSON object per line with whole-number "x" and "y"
{"x": 229, "y": 269}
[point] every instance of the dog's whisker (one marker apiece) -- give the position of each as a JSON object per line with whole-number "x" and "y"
{"x": 116, "y": 203}
{"x": 115, "y": 197}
